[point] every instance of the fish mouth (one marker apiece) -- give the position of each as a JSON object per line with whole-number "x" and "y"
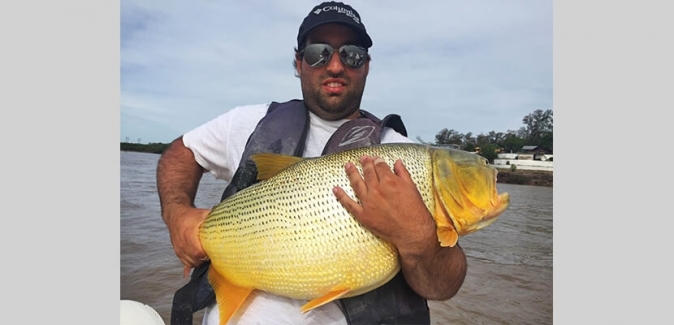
{"x": 502, "y": 201}
{"x": 466, "y": 185}
{"x": 499, "y": 204}
{"x": 480, "y": 220}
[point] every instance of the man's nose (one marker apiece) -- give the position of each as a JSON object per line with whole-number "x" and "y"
{"x": 335, "y": 65}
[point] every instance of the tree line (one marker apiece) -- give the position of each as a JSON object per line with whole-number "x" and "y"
{"x": 151, "y": 147}
{"x": 536, "y": 131}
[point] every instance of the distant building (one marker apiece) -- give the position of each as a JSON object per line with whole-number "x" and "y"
{"x": 528, "y": 157}
{"x": 532, "y": 153}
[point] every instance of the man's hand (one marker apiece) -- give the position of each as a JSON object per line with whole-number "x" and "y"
{"x": 183, "y": 226}
{"x": 393, "y": 209}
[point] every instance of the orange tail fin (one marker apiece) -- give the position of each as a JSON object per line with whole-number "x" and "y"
{"x": 334, "y": 294}
{"x": 229, "y": 297}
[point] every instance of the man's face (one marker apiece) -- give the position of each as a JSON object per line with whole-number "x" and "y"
{"x": 332, "y": 91}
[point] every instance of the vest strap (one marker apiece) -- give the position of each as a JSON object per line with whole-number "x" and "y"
{"x": 272, "y": 134}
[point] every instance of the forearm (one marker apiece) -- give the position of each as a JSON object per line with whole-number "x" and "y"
{"x": 437, "y": 274}
{"x": 178, "y": 176}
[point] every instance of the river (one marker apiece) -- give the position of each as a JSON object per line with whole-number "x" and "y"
{"x": 509, "y": 278}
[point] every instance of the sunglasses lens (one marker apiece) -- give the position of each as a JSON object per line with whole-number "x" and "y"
{"x": 317, "y": 55}
{"x": 352, "y": 55}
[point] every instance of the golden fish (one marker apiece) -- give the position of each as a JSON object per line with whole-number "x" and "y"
{"x": 288, "y": 234}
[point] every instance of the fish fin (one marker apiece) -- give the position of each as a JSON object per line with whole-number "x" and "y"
{"x": 334, "y": 294}
{"x": 270, "y": 164}
{"x": 229, "y": 296}
{"x": 447, "y": 234}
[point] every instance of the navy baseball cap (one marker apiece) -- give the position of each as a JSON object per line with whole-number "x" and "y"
{"x": 333, "y": 12}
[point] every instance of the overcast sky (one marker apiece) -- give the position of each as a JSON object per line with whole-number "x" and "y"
{"x": 471, "y": 66}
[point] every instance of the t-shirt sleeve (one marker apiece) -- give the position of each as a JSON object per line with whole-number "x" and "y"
{"x": 219, "y": 143}
{"x": 389, "y": 135}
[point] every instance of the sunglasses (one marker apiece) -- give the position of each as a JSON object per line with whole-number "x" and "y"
{"x": 318, "y": 55}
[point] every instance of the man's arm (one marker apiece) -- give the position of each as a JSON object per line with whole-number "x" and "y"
{"x": 393, "y": 209}
{"x": 178, "y": 176}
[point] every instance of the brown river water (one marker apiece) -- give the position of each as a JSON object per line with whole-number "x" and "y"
{"x": 509, "y": 278}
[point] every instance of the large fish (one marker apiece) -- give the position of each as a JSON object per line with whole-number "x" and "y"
{"x": 289, "y": 235}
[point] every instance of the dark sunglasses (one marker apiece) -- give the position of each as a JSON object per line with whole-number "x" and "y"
{"x": 318, "y": 55}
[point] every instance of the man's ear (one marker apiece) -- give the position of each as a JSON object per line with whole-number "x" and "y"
{"x": 298, "y": 65}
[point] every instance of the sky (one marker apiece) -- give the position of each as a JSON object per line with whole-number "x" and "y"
{"x": 467, "y": 66}
{"x": 613, "y": 81}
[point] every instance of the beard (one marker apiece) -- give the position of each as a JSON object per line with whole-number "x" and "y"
{"x": 332, "y": 107}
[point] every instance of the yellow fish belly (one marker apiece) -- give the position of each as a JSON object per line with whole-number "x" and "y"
{"x": 288, "y": 235}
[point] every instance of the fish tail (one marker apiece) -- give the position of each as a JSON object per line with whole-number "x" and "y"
{"x": 229, "y": 296}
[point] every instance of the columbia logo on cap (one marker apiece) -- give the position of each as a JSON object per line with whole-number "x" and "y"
{"x": 340, "y": 10}
{"x": 333, "y": 12}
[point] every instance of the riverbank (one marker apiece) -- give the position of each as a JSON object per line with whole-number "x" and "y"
{"x": 525, "y": 177}
{"x": 505, "y": 175}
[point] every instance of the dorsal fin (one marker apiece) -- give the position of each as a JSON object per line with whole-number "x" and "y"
{"x": 270, "y": 164}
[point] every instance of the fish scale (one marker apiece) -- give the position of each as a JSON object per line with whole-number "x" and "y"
{"x": 289, "y": 235}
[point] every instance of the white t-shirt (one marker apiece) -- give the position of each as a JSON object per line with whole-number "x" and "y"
{"x": 218, "y": 146}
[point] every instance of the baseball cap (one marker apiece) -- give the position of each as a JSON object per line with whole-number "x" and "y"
{"x": 333, "y": 12}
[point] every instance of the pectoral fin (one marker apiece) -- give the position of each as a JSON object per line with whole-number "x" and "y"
{"x": 334, "y": 294}
{"x": 447, "y": 234}
{"x": 229, "y": 297}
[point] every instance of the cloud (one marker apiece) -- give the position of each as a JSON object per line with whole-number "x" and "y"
{"x": 468, "y": 66}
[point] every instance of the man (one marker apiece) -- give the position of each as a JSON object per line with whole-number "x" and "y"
{"x": 332, "y": 64}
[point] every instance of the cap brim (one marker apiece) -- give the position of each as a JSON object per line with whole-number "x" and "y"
{"x": 367, "y": 41}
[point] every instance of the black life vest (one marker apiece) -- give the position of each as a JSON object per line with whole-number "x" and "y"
{"x": 283, "y": 130}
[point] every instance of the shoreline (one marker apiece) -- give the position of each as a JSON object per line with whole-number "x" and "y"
{"x": 506, "y": 176}
{"x": 525, "y": 177}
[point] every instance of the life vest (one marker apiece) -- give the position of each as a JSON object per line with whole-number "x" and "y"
{"x": 283, "y": 130}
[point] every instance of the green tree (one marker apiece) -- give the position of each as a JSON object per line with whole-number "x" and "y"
{"x": 496, "y": 138}
{"x": 537, "y": 130}
{"x": 469, "y": 147}
{"x": 469, "y": 142}
{"x": 512, "y": 142}
{"x": 151, "y": 147}
{"x": 482, "y": 140}
{"x": 522, "y": 133}
{"x": 489, "y": 151}
{"x": 445, "y": 137}
{"x": 538, "y": 126}
{"x": 546, "y": 141}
